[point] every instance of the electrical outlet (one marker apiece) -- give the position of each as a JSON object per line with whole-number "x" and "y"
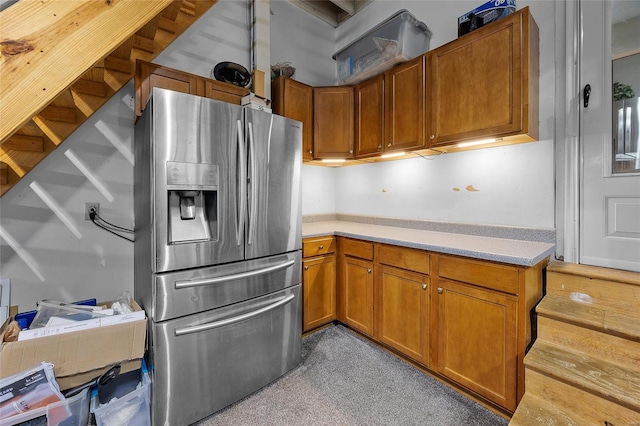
{"x": 88, "y": 208}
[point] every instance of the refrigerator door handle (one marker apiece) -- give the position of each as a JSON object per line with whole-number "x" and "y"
{"x": 209, "y": 326}
{"x": 242, "y": 183}
{"x": 253, "y": 207}
{"x": 241, "y": 275}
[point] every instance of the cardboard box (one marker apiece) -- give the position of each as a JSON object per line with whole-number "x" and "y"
{"x": 79, "y": 356}
{"x": 257, "y": 83}
{"x": 484, "y": 14}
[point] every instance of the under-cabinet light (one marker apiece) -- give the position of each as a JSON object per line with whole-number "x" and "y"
{"x": 393, "y": 154}
{"x": 474, "y": 143}
{"x": 333, "y": 160}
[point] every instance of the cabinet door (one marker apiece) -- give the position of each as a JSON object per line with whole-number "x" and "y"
{"x": 357, "y": 293}
{"x": 405, "y": 99}
{"x": 478, "y": 85}
{"x": 477, "y": 340}
{"x": 294, "y": 100}
{"x": 150, "y": 75}
{"x": 403, "y": 312}
{"x": 319, "y": 291}
{"x": 370, "y": 117}
{"x": 224, "y": 92}
{"x": 333, "y": 113}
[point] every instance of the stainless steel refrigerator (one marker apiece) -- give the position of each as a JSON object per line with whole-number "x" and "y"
{"x": 217, "y": 202}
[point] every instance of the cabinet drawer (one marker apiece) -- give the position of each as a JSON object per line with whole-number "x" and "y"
{"x": 356, "y": 248}
{"x": 485, "y": 274}
{"x": 317, "y": 246}
{"x": 405, "y": 258}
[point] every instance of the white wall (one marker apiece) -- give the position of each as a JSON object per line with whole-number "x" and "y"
{"x": 501, "y": 186}
{"x": 515, "y": 184}
{"x": 305, "y": 41}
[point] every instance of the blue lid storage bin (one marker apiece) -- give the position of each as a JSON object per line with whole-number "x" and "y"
{"x": 397, "y": 39}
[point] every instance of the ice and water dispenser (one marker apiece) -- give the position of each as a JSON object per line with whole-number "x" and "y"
{"x": 193, "y": 202}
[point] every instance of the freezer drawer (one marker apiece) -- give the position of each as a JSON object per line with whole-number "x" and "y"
{"x": 191, "y": 291}
{"x": 202, "y": 363}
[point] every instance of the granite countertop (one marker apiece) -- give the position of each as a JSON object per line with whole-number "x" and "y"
{"x": 506, "y": 250}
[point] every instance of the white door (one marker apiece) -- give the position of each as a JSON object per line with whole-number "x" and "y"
{"x": 610, "y": 163}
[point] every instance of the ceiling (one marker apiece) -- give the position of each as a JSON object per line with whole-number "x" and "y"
{"x": 333, "y": 12}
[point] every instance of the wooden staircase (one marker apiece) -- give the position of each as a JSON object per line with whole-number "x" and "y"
{"x": 584, "y": 368}
{"x": 60, "y": 61}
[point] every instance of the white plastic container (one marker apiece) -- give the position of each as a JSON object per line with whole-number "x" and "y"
{"x": 397, "y": 39}
{"x": 132, "y": 409}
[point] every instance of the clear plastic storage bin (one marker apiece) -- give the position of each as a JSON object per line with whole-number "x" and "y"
{"x": 397, "y": 39}
{"x": 73, "y": 411}
{"x": 132, "y": 409}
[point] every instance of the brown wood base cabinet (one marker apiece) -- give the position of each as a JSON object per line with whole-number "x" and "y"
{"x": 355, "y": 307}
{"x": 477, "y": 340}
{"x": 403, "y": 313}
{"x": 463, "y": 319}
{"x": 403, "y": 302}
{"x": 318, "y": 282}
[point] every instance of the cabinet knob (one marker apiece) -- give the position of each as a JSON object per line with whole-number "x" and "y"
{"x": 433, "y": 136}
{"x": 306, "y": 268}
{"x": 321, "y": 247}
{"x": 424, "y": 286}
{"x": 368, "y": 270}
{"x": 380, "y": 146}
{"x": 439, "y": 290}
{"x": 350, "y": 151}
{"x": 389, "y": 144}
{"x": 310, "y": 152}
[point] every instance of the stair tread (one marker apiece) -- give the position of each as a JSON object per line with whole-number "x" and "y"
{"x": 590, "y": 315}
{"x": 536, "y": 411}
{"x": 616, "y": 382}
{"x": 595, "y": 272}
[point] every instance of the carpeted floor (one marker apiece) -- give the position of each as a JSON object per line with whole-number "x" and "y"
{"x": 346, "y": 380}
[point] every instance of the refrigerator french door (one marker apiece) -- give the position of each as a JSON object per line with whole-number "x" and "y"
{"x": 217, "y": 250}
{"x": 224, "y": 182}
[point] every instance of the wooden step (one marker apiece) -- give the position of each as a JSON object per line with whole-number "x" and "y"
{"x": 608, "y": 289}
{"x": 592, "y": 316}
{"x": 551, "y": 402}
{"x": 536, "y": 411}
{"x": 609, "y": 380}
{"x": 607, "y": 346}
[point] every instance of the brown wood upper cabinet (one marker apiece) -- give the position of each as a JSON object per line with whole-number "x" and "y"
{"x": 294, "y": 100}
{"x": 390, "y": 110}
{"x": 370, "y": 117}
{"x": 404, "y": 106}
{"x": 333, "y": 122}
{"x": 485, "y": 84}
{"x": 149, "y": 75}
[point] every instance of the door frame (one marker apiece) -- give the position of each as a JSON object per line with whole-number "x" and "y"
{"x": 567, "y": 135}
